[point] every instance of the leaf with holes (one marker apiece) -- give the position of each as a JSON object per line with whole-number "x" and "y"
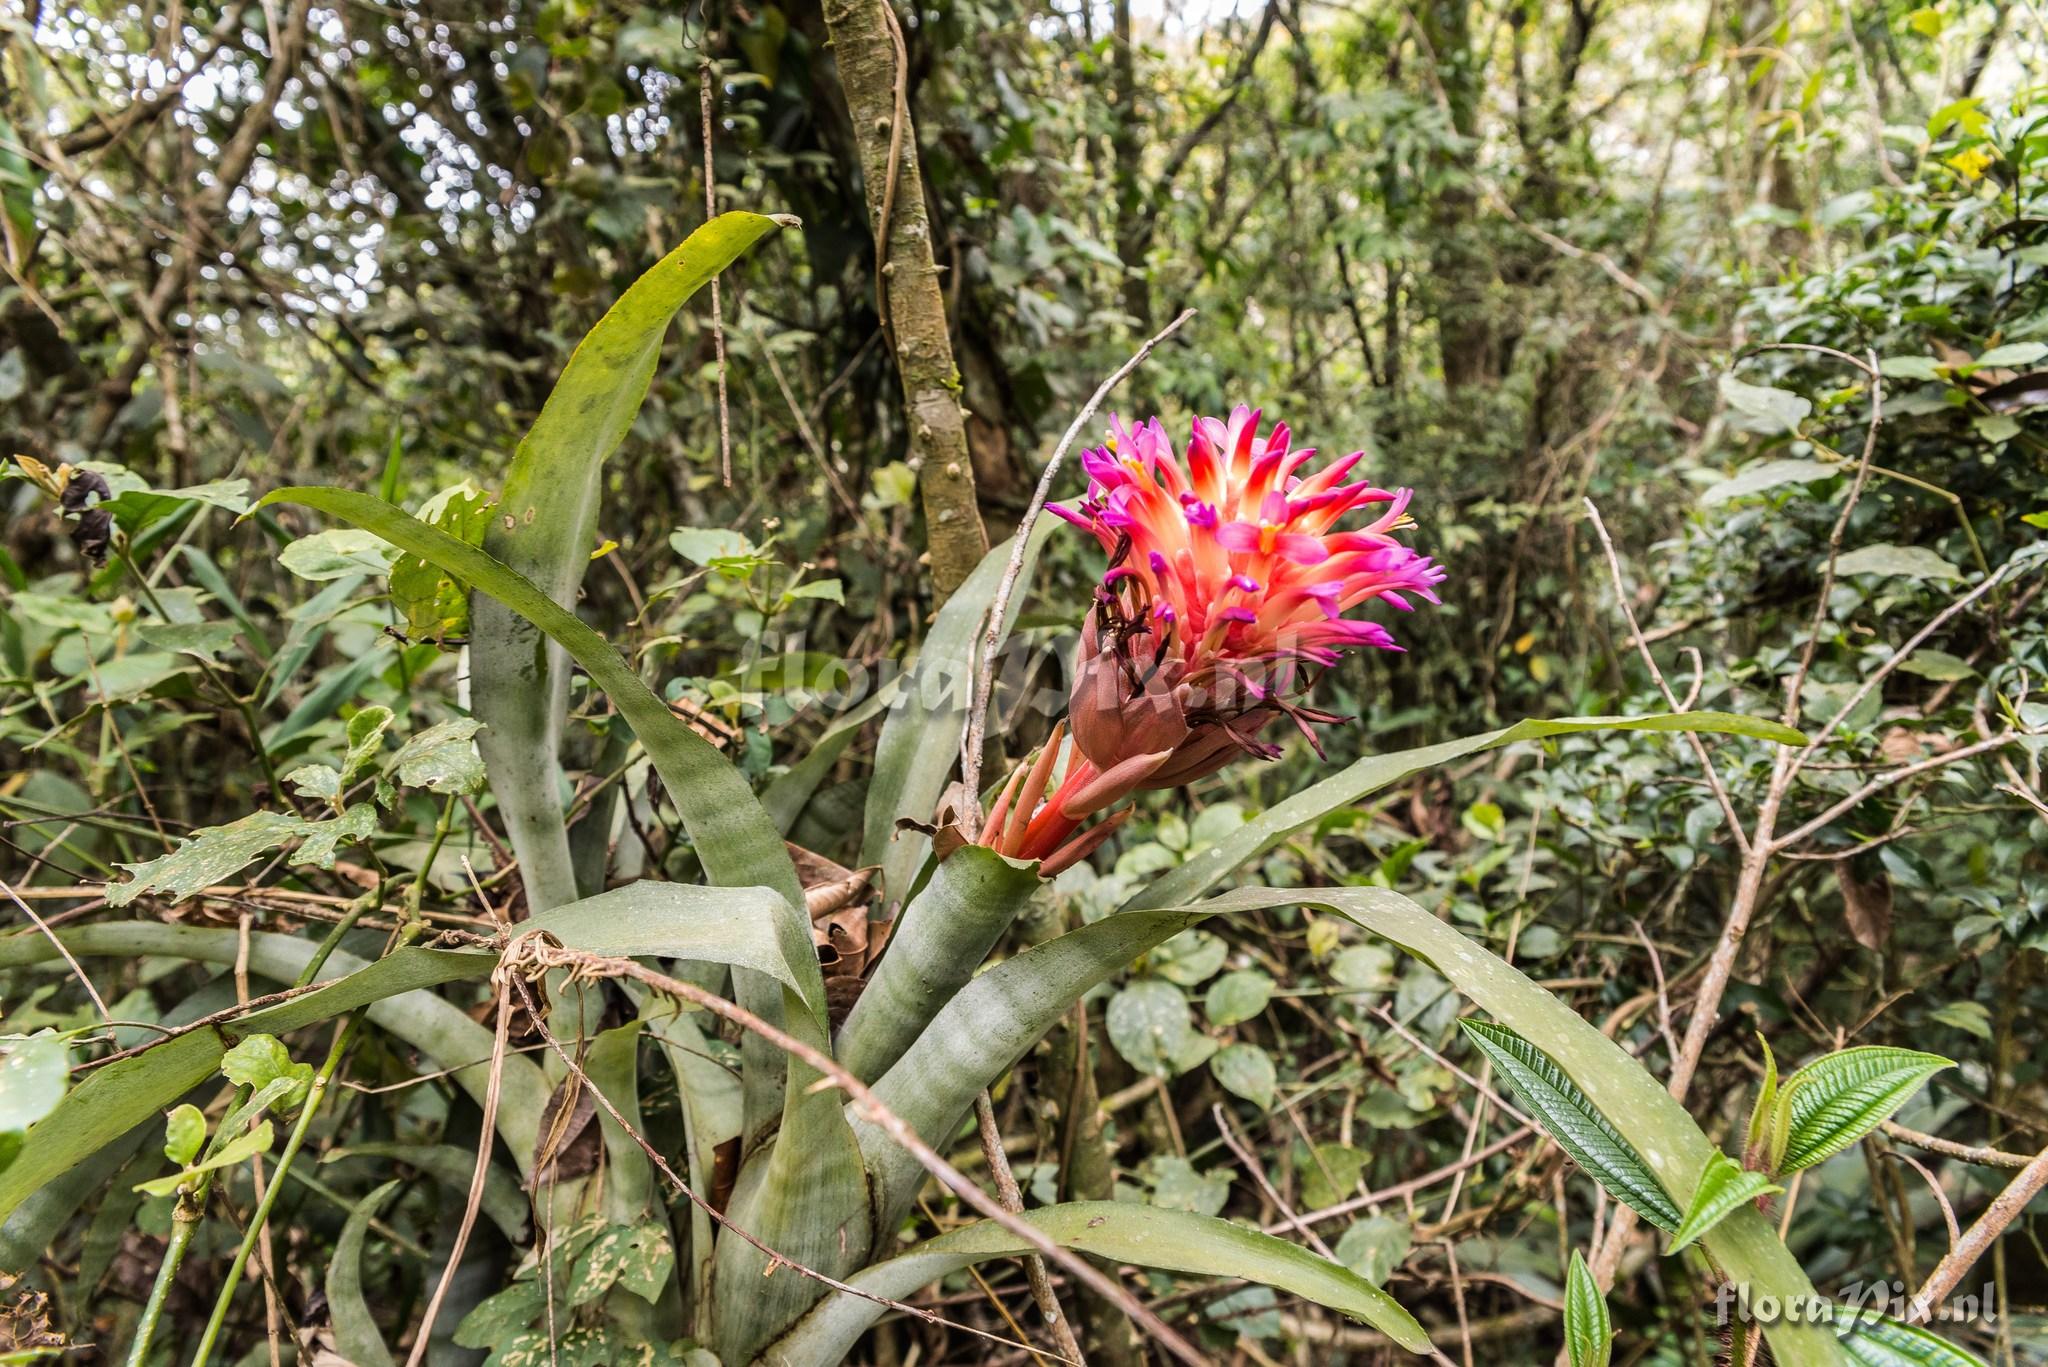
{"x": 1724, "y": 1186}
{"x": 1571, "y": 1119}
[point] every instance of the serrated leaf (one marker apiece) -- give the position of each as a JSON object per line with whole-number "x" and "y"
{"x": 1570, "y": 1119}
{"x": 1838, "y": 1098}
{"x": 260, "y": 1060}
{"x": 1908, "y": 562}
{"x": 1588, "y": 1334}
{"x": 365, "y": 742}
{"x": 324, "y": 838}
{"x": 1724, "y": 1185}
{"x": 1757, "y": 1131}
{"x": 321, "y": 782}
{"x": 1246, "y": 1070}
{"x": 1877, "y": 1341}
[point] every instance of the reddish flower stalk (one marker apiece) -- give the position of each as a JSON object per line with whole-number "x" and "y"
{"x": 1227, "y": 586}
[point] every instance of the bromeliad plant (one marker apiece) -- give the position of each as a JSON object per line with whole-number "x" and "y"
{"x": 1231, "y": 575}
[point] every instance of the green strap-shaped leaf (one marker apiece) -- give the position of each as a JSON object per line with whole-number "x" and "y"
{"x": 1123, "y": 1231}
{"x": 126, "y": 1093}
{"x": 736, "y": 841}
{"x": 751, "y": 928}
{"x": 995, "y": 1018}
{"x": 1837, "y": 1099}
{"x": 1588, "y": 1334}
{"x": 356, "y": 1336}
{"x": 920, "y": 742}
{"x": 1725, "y": 1185}
{"x": 1211, "y": 866}
{"x": 1879, "y": 1342}
{"x": 452, "y": 1166}
{"x": 944, "y": 934}
{"x": 738, "y": 844}
{"x": 1569, "y": 1117}
{"x": 545, "y": 526}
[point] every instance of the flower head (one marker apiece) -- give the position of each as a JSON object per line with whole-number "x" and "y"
{"x": 1227, "y": 588}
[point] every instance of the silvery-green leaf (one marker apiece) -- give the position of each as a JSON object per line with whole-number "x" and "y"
{"x": 1908, "y": 562}
{"x": 442, "y": 758}
{"x": 1126, "y": 1232}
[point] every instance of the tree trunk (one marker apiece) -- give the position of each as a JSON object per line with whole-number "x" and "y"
{"x": 1125, "y": 152}
{"x": 866, "y": 50}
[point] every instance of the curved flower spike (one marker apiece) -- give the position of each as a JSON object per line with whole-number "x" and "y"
{"x": 1227, "y": 586}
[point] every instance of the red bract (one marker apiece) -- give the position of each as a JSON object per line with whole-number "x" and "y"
{"x": 1227, "y": 586}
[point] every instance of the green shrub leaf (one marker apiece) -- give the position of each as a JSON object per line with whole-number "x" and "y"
{"x": 1588, "y": 1334}
{"x": 1879, "y": 1342}
{"x": 1724, "y": 1185}
{"x": 1837, "y": 1099}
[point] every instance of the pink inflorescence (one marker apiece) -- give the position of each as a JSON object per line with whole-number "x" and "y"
{"x": 1227, "y": 586}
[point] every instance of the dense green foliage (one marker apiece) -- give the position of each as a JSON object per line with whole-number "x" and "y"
{"x": 1764, "y": 283}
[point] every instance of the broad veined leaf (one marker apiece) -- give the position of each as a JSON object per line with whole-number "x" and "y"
{"x": 356, "y": 1336}
{"x": 1207, "y": 867}
{"x": 1149, "y": 1236}
{"x": 1838, "y": 1098}
{"x": 1724, "y": 1186}
{"x": 1570, "y": 1117}
{"x": 944, "y": 934}
{"x": 920, "y": 741}
{"x": 1880, "y": 1342}
{"x": 544, "y": 528}
{"x": 1588, "y": 1333}
{"x": 1008, "y": 1007}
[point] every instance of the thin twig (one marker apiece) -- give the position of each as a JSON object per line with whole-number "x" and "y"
{"x": 1698, "y": 746}
{"x": 50, "y": 935}
{"x": 992, "y": 638}
{"x": 1012, "y": 1197}
{"x": 1973, "y": 1245}
{"x": 705, "y": 73}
